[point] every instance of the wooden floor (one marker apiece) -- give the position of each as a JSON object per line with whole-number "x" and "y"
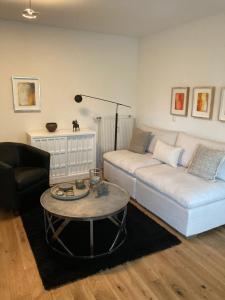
{"x": 192, "y": 270}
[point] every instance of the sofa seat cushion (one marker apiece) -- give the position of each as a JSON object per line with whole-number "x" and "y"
{"x": 130, "y": 161}
{"x": 26, "y": 176}
{"x": 187, "y": 190}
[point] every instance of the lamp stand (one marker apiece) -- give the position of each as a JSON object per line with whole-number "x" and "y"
{"x": 78, "y": 99}
{"x": 116, "y": 128}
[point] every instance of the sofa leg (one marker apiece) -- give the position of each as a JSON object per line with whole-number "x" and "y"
{"x": 191, "y": 236}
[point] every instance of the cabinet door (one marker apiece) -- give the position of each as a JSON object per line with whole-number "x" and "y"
{"x": 81, "y": 154}
{"x": 57, "y": 147}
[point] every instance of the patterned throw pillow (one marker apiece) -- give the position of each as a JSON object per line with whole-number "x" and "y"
{"x": 139, "y": 141}
{"x": 205, "y": 162}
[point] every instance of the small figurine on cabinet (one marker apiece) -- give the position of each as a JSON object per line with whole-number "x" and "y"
{"x": 76, "y": 126}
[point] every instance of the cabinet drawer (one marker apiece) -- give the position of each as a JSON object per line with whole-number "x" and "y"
{"x": 80, "y": 154}
{"x": 72, "y": 154}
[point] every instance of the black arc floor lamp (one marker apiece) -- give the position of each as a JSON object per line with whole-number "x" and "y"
{"x": 78, "y": 99}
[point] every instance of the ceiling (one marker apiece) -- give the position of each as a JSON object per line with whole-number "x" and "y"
{"x": 125, "y": 17}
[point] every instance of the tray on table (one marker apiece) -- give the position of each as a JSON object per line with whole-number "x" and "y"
{"x": 67, "y": 192}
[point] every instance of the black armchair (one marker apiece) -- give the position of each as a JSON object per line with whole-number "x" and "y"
{"x": 24, "y": 175}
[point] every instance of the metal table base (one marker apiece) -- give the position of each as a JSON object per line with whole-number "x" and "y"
{"x": 55, "y": 225}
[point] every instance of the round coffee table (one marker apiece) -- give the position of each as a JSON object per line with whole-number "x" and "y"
{"x": 58, "y": 214}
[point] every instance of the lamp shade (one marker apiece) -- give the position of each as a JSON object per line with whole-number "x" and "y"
{"x": 78, "y": 98}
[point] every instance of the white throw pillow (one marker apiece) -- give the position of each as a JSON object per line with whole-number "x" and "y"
{"x": 166, "y": 153}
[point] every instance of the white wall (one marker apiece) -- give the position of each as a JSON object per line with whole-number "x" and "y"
{"x": 191, "y": 55}
{"x": 68, "y": 62}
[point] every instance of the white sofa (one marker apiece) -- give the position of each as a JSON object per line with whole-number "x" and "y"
{"x": 186, "y": 202}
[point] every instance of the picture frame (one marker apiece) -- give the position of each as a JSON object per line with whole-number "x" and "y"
{"x": 179, "y": 101}
{"x": 221, "y": 116}
{"x": 202, "y": 102}
{"x": 26, "y": 94}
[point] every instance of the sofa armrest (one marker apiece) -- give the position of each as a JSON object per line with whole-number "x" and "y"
{"x": 34, "y": 157}
{"x": 7, "y": 187}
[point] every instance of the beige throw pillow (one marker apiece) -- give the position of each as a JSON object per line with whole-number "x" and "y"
{"x": 139, "y": 141}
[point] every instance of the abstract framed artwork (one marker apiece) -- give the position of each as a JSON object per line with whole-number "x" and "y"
{"x": 26, "y": 93}
{"x": 202, "y": 106}
{"x": 179, "y": 101}
{"x": 222, "y": 105}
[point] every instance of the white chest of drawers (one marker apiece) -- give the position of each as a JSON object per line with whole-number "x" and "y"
{"x": 72, "y": 153}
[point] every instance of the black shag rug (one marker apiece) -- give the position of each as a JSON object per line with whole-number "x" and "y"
{"x": 144, "y": 236}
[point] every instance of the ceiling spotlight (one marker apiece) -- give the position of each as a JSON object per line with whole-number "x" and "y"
{"x": 29, "y": 13}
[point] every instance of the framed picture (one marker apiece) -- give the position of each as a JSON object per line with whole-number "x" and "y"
{"x": 26, "y": 93}
{"x": 222, "y": 105}
{"x": 202, "y": 106}
{"x": 179, "y": 101}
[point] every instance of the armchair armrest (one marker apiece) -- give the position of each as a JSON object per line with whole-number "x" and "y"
{"x": 34, "y": 157}
{"x": 7, "y": 187}
{"x": 4, "y": 166}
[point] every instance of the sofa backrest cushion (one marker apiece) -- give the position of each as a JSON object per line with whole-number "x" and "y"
{"x": 167, "y": 136}
{"x": 190, "y": 143}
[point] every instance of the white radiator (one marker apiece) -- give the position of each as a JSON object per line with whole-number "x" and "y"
{"x": 106, "y": 134}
